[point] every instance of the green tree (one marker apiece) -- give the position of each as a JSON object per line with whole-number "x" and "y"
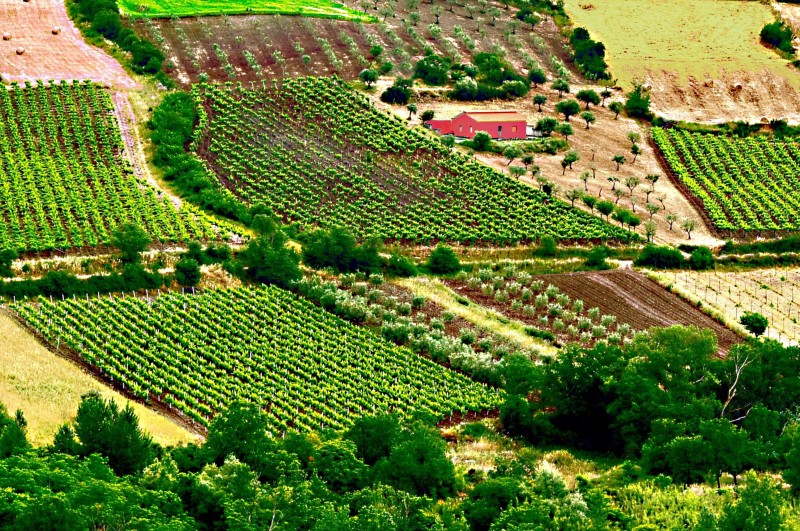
{"x": 637, "y": 104}
{"x": 546, "y": 125}
{"x": 482, "y": 141}
{"x": 572, "y": 157}
{"x": 588, "y": 117}
{"x": 701, "y": 259}
{"x": 564, "y": 129}
{"x": 759, "y": 507}
{"x": 537, "y": 77}
{"x": 268, "y": 260}
{"x": 590, "y": 201}
{"x": 548, "y": 247}
{"x": 615, "y": 107}
{"x": 605, "y": 208}
{"x": 412, "y": 109}
{"x": 561, "y": 86}
{"x": 131, "y": 240}
{"x": 187, "y": 272}
{"x": 573, "y": 194}
{"x": 755, "y": 323}
{"x": 427, "y": 115}
{"x": 588, "y": 96}
{"x": 374, "y": 436}
{"x": 368, "y": 76}
{"x": 338, "y": 249}
{"x": 443, "y": 261}
{"x": 102, "y": 428}
{"x": 568, "y": 108}
{"x": 512, "y": 152}
{"x": 489, "y": 499}
{"x": 7, "y": 257}
{"x": 337, "y": 465}
{"x": 619, "y": 159}
{"x": 604, "y": 95}
{"x": 539, "y": 100}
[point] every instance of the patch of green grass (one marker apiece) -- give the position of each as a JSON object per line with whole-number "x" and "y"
{"x": 192, "y": 8}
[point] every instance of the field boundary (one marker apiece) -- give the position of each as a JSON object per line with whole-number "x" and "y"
{"x": 76, "y": 359}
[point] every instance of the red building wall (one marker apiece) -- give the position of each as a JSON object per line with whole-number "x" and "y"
{"x": 464, "y": 125}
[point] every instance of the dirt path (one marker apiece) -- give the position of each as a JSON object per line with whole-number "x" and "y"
{"x": 53, "y": 47}
{"x": 132, "y": 144}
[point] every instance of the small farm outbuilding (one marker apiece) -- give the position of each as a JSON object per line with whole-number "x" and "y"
{"x": 501, "y": 125}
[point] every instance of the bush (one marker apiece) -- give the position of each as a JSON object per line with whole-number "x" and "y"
{"x": 7, "y": 257}
{"x": 400, "y": 266}
{"x": 547, "y": 247}
{"x": 589, "y": 55}
{"x": 338, "y": 249}
{"x": 597, "y": 257}
{"x": 399, "y": 93}
{"x": 659, "y": 257}
{"x": 482, "y": 141}
{"x": 701, "y": 259}
{"x": 779, "y": 35}
{"x": 443, "y": 261}
{"x": 755, "y": 323}
{"x": 433, "y": 70}
{"x": 638, "y": 103}
{"x": 187, "y": 272}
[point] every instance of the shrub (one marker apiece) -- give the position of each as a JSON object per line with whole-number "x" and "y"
{"x": 701, "y": 259}
{"x": 659, "y": 257}
{"x": 547, "y": 247}
{"x": 755, "y": 323}
{"x": 443, "y": 261}
{"x": 399, "y": 93}
{"x": 400, "y": 266}
{"x": 597, "y": 257}
{"x": 187, "y": 272}
{"x": 779, "y": 35}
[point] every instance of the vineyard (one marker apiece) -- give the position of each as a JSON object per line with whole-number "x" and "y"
{"x": 633, "y": 300}
{"x": 521, "y": 296}
{"x": 774, "y": 293}
{"x": 63, "y": 181}
{"x": 743, "y": 184}
{"x": 318, "y": 153}
{"x": 197, "y": 354}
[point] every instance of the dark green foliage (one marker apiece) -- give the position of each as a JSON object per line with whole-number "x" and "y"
{"x": 482, "y": 141}
{"x": 131, "y": 240}
{"x": 268, "y": 260}
{"x": 778, "y": 35}
{"x": 12, "y": 433}
{"x": 489, "y": 499}
{"x": 588, "y": 96}
{"x": 399, "y": 93}
{"x": 187, "y": 272}
{"x": 755, "y": 323}
{"x": 368, "y": 76}
{"x": 373, "y": 437}
{"x": 338, "y": 249}
{"x": 701, "y": 259}
{"x": 433, "y": 69}
{"x": 495, "y": 78}
{"x": 637, "y": 104}
{"x": 443, "y": 261}
{"x": 758, "y": 508}
{"x": 400, "y": 266}
{"x": 537, "y": 76}
{"x": 596, "y": 258}
{"x": 589, "y": 55}
{"x": 568, "y": 108}
{"x": 172, "y": 125}
{"x": 7, "y": 257}
{"x": 133, "y": 278}
{"x": 548, "y": 247}
{"x": 547, "y": 125}
{"x": 102, "y": 428}
{"x": 659, "y": 257}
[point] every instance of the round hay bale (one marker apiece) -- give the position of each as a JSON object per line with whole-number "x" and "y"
{"x": 6, "y": 36}
{"x": 106, "y": 85}
{"x": 20, "y": 50}
{"x": 736, "y": 87}
{"x": 56, "y": 30}
{"x": 647, "y": 86}
{"x": 764, "y": 120}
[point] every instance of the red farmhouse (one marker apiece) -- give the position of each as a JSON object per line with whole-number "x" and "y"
{"x": 501, "y": 125}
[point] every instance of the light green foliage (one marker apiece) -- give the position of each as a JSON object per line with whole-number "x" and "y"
{"x": 198, "y": 353}
{"x": 63, "y": 180}
{"x": 193, "y": 8}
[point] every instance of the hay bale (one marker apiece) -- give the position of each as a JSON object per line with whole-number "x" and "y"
{"x": 56, "y": 30}
{"x": 736, "y": 87}
{"x": 20, "y": 50}
{"x": 6, "y": 36}
{"x": 106, "y": 85}
{"x": 764, "y": 120}
{"x": 647, "y": 86}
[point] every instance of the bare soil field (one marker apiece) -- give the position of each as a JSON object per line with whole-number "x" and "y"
{"x": 32, "y": 27}
{"x": 698, "y": 71}
{"x": 638, "y": 301}
{"x": 597, "y": 145}
{"x": 277, "y": 45}
{"x": 48, "y": 389}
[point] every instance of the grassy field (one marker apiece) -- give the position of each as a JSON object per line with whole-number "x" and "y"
{"x": 48, "y": 389}
{"x": 192, "y": 8}
{"x": 678, "y": 36}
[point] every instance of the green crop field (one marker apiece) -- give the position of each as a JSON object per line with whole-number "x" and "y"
{"x": 306, "y": 367}
{"x": 746, "y": 184}
{"x": 63, "y": 181}
{"x": 318, "y": 153}
{"x": 193, "y": 8}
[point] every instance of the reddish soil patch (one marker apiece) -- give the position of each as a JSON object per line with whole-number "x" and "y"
{"x": 47, "y": 55}
{"x": 189, "y": 43}
{"x": 639, "y": 301}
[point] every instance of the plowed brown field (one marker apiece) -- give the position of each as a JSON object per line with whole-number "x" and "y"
{"x": 46, "y": 55}
{"x": 630, "y": 296}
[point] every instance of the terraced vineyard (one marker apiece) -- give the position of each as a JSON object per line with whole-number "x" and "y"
{"x": 196, "y": 354}
{"x": 63, "y": 181}
{"x": 318, "y": 153}
{"x": 743, "y": 184}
